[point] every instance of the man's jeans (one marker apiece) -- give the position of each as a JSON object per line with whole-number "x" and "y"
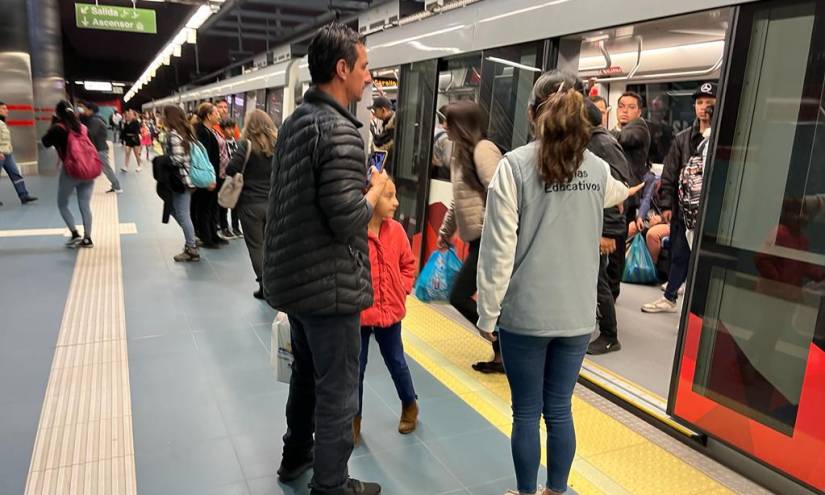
{"x": 679, "y": 258}
{"x": 323, "y": 394}
{"x": 107, "y": 169}
{"x": 10, "y": 166}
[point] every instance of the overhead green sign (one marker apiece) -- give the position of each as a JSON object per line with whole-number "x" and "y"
{"x": 110, "y": 18}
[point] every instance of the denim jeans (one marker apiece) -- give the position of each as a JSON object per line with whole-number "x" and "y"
{"x": 392, "y": 350}
{"x": 107, "y": 169}
{"x": 65, "y": 186}
{"x": 679, "y": 258}
{"x": 10, "y": 166}
{"x": 323, "y": 394}
{"x": 181, "y": 204}
{"x": 542, "y": 372}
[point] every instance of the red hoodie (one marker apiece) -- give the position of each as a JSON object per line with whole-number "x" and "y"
{"x": 393, "y": 272}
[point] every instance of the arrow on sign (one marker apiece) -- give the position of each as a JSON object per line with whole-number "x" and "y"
{"x": 135, "y": 15}
{"x": 84, "y": 10}
{"x": 84, "y": 21}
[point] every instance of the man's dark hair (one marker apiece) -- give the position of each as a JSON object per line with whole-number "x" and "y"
{"x": 332, "y": 43}
{"x": 2, "y": 103}
{"x": 597, "y": 98}
{"x": 228, "y": 124}
{"x": 639, "y": 100}
{"x": 91, "y": 106}
{"x": 442, "y": 114}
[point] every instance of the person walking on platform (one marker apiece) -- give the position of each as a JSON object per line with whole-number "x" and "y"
{"x": 65, "y": 121}
{"x": 116, "y": 122}
{"x": 385, "y": 139}
{"x": 205, "y": 201}
{"x": 98, "y": 134}
{"x": 687, "y": 144}
{"x": 316, "y": 260}
{"x": 7, "y": 162}
{"x": 131, "y": 140}
{"x": 255, "y": 166}
{"x": 472, "y": 168}
{"x": 538, "y": 267}
{"x": 180, "y": 137}
{"x": 393, "y": 272}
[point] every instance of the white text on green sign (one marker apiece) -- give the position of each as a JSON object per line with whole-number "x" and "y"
{"x": 110, "y": 18}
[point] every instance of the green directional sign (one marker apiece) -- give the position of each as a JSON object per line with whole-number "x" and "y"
{"x": 110, "y": 18}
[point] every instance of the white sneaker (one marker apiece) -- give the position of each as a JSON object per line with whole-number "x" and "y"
{"x": 661, "y": 305}
{"x": 516, "y": 492}
{"x": 138, "y": 169}
{"x": 681, "y": 290}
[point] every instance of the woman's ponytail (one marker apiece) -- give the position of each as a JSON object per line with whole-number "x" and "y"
{"x": 562, "y": 127}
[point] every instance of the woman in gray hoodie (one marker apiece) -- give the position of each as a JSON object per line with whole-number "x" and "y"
{"x": 537, "y": 272}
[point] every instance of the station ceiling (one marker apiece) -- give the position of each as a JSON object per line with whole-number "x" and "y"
{"x": 238, "y": 31}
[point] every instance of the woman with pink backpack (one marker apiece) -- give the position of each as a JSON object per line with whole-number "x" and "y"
{"x": 81, "y": 165}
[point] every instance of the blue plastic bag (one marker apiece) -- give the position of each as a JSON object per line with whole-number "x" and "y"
{"x": 639, "y": 267}
{"x": 437, "y": 278}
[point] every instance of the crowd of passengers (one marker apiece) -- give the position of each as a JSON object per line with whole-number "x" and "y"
{"x": 327, "y": 252}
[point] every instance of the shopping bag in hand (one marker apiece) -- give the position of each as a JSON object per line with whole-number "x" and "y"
{"x": 437, "y": 278}
{"x": 281, "y": 357}
{"x": 639, "y": 267}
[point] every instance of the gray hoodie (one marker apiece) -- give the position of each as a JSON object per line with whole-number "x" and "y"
{"x": 539, "y": 256}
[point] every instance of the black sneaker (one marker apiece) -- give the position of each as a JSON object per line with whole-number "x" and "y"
{"x": 259, "y": 294}
{"x": 74, "y": 241}
{"x": 27, "y": 199}
{"x": 86, "y": 243}
{"x": 289, "y": 471}
{"x": 489, "y": 367}
{"x": 352, "y": 487}
{"x": 237, "y": 233}
{"x": 603, "y": 345}
{"x": 227, "y": 234}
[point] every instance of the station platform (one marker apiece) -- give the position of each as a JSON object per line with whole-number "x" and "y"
{"x": 122, "y": 372}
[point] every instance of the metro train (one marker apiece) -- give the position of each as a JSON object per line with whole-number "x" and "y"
{"x": 740, "y": 373}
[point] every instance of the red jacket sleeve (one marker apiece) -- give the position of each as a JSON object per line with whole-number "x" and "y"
{"x": 407, "y": 261}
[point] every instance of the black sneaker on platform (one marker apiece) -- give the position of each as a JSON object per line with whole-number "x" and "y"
{"x": 603, "y": 345}
{"x": 353, "y": 487}
{"x": 27, "y": 199}
{"x": 258, "y": 294}
{"x": 86, "y": 243}
{"x": 291, "y": 471}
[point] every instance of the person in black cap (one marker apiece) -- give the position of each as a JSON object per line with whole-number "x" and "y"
{"x": 385, "y": 138}
{"x": 685, "y": 145}
{"x": 96, "y": 126}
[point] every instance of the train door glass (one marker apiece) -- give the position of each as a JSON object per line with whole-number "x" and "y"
{"x": 260, "y": 99}
{"x": 238, "y": 108}
{"x": 414, "y": 119}
{"x": 507, "y": 80}
{"x": 751, "y": 362}
{"x": 275, "y": 105}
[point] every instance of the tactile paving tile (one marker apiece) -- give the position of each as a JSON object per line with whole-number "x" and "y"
{"x": 84, "y": 443}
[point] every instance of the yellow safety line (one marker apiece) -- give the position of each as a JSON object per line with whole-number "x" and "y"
{"x": 611, "y": 458}
{"x": 84, "y": 442}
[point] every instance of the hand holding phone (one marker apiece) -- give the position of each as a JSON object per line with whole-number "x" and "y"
{"x": 377, "y": 159}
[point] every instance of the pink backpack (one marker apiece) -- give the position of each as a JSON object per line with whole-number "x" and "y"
{"x": 81, "y": 160}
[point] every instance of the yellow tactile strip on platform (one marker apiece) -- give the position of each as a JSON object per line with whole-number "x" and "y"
{"x": 610, "y": 458}
{"x": 84, "y": 442}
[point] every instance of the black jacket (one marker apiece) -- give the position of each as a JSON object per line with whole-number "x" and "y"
{"x": 605, "y": 146}
{"x": 634, "y": 139}
{"x": 684, "y": 146}
{"x": 316, "y": 256}
{"x": 256, "y": 175}
{"x": 56, "y": 136}
{"x": 97, "y": 131}
{"x": 168, "y": 183}
{"x": 210, "y": 142}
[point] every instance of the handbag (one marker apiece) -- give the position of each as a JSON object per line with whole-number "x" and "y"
{"x": 231, "y": 188}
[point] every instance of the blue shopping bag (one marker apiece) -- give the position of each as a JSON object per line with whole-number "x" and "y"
{"x": 437, "y": 278}
{"x": 639, "y": 267}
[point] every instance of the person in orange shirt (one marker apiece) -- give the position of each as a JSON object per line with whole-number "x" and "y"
{"x": 223, "y": 109}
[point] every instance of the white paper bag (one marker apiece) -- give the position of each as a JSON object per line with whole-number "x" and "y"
{"x": 281, "y": 348}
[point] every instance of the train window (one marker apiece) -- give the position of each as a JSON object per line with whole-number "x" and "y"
{"x": 507, "y": 80}
{"x": 760, "y": 281}
{"x": 275, "y": 105}
{"x": 260, "y": 99}
{"x": 238, "y": 108}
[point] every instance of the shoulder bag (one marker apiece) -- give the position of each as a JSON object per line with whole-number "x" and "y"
{"x": 231, "y": 190}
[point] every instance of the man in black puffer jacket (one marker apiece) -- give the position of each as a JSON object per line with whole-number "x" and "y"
{"x": 614, "y": 231}
{"x": 316, "y": 260}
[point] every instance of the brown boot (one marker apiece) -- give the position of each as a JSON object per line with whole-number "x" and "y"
{"x": 409, "y": 418}
{"x": 356, "y": 430}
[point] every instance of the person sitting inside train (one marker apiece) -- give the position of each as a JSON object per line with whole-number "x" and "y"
{"x": 384, "y": 139}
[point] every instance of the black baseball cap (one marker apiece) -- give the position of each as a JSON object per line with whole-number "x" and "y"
{"x": 706, "y": 89}
{"x": 381, "y": 102}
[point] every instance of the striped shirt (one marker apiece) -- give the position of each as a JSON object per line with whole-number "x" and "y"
{"x": 180, "y": 158}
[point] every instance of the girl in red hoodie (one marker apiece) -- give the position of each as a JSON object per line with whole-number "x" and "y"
{"x": 393, "y": 271}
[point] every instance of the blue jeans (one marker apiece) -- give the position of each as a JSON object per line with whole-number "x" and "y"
{"x": 392, "y": 350}
{"x": 107, "y": 169}
{"x": 66, "y": 185}
{"x": 542, "y": 372}
{"x": 10, "y": 166}
{"x": 679, "y": 259}
{"x": 181, "y": 204}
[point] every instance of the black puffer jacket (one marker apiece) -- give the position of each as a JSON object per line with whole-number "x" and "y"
{"x": 605, "y": 146}
{"x": 684, "y": 146}
{"x": 634, "y": 139}
{"x": 316, "y": 258}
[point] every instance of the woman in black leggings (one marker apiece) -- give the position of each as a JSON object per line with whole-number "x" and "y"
{"x": 472, "y": 167}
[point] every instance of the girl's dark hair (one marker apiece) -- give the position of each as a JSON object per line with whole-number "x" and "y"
{"x": 562, "y": 126}
{"x": 204, "y": 109}
{"x": 66, "y": 115}
{"x": 465, "y": 121}
{"x": 175, "y": 120}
